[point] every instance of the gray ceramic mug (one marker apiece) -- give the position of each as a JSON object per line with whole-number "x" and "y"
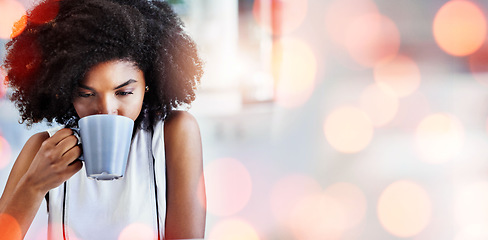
{"x": 105, "y": 140}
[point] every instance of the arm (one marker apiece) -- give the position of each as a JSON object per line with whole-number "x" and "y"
{"x": 186, "y": 210}
{"x": 44, "y": 163}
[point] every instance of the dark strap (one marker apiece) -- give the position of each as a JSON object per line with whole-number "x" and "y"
{"x": 64, "y": 211}
{"x": 156, "y": 195}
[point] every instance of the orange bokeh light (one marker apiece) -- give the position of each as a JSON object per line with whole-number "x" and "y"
{"x": 137, "y": 231}
{"x": 233, "y": 229}
{"x": 340, "y": 15}
{"x": 372, "y": 39}
{"x": 288, "y": 191}
{"x": 459, "y": 27}
{"x": 439, "y": 138}
{"x": 280, "y": 16}
{"x": 470, "y": 204}
{"x": 10, "y": 13}
{"x": 294, "y": 69}
{"x": 404, "y": 209}
{"x": 401, "y": 74}
{"x": 5, "y": 153}
{"x": 9, "y": 228}
{"x": 318, "y": 216}
{"x": 381, "y": 106}
{"x": 352, "y": 199}
{"x": 348, "y": 129}
{"x": 229, "y": 186}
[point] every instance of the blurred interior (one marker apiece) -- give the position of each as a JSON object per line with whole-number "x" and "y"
{"x": 329, "y": 119}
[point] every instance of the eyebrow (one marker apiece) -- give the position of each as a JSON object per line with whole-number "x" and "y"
{"x": 125, "y": 84}
{"x": 120, "y": 86}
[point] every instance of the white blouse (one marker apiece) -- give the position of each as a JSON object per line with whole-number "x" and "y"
{"x": 84, "y": 208}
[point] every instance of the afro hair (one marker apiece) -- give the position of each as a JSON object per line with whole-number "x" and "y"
{"x": 63, "y": 39}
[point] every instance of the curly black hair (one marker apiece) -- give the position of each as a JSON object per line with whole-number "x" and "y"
{"x": 63, "y": 39}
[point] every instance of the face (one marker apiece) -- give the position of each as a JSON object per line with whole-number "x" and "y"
{"x": 114, "y": 87}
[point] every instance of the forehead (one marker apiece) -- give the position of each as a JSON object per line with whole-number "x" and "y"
{"x": 112, "y": 73}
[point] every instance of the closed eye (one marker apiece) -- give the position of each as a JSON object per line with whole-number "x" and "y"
{"x": 123, "y": 93}
{"x": 85, "y": 95}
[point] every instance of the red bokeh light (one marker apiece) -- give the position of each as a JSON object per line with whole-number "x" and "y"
{"x": 229, "y": 186}
{"x": 372, "y": 39}
{"x": 5, "y": 153}
{"x": 44, "y": 12}
{"x": 280, "y": 16}
{"x": 478, "y": 64}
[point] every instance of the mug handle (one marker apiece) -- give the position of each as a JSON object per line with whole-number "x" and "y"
{"x": 76, "y": 133}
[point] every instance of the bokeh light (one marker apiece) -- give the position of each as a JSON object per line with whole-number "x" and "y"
{"x": 41, "y": 233}
{"x": 401, "y": 74}
{"x": 348, "y": 129}
{"x": 352, "y": 199}
{"x": 229, "y": 186}
{"x": 9, "y": 227}
{"x": 288, "y": 191}
{"x": 372, "y": 39}
{"x": 339, "y": 16}
{"x": 381, "y": 106}
{"x": 459, "y": 27}
{"x": 5, "y": 153}
{"x": 44, "y": 12}
{"x": 318, "y": 216}
{"x": 201, "y": 192}
{"x": 286, "y": 15}
{"x": 233, "y": 229}
{"x": 473, "y": 232}
{"x": 11, "y": 11}
{"x": 470, "y": 204}
{"x": 137, "y": 231}
{"x": 3, "y": 82}
{"x": 439, "y": 137}
{"x": 294, "y": 69}
{"x": 478, "y": 64}
{"x": 404, "y": 209}
{"x": 412, "y": 109}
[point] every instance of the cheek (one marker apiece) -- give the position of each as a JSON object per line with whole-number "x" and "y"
{"x": 81, "y": 108}
{"x": 132, "y": 109}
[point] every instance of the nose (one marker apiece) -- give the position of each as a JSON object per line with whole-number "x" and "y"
{"x": 107, "y": 105}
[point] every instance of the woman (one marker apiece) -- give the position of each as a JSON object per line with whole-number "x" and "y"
{"x": 77, "y": 58}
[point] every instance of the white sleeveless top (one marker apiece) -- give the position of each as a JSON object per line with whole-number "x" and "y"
{"x": 91, "y": 210}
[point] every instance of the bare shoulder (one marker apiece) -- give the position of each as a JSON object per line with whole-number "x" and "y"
{"x": 179, "y": 122}
{"x": 182, "y": 137}
{"x": 185, "y": 215}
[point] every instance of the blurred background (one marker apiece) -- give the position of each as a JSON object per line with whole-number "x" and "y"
{"x": 329, "y": 119}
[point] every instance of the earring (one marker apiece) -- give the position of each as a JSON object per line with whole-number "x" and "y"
{"x": 147, "y": 88}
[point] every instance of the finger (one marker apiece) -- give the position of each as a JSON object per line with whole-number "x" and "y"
{"x": 73, "y": 168}
{"x": 71, "y": 155}
{"x": 66, "y": 144}
{"x": 60, "y": 135}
